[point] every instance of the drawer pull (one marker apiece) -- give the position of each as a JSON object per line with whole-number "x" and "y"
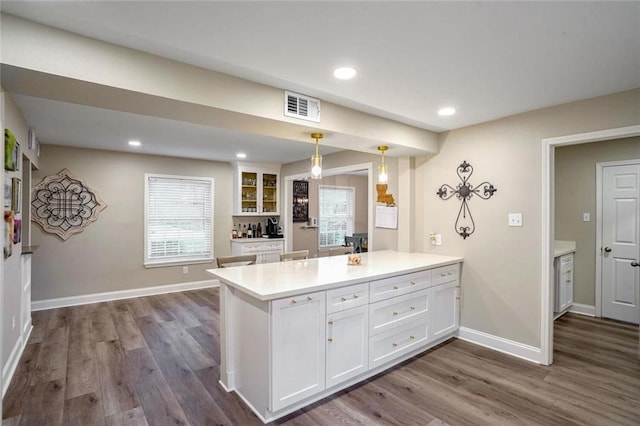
{"x": 395, "y": 345}
{"x": 343, "y": 299}
{"x": 413, "y": 283}
{"x": 457, "y": 297}
{"x": 330, "y": 340}
{"x": 355, "y": 296}
{"x": 309, "y": 298}
{"x": 395, "y": 287}
{"x": 449, "y": 273}
{"x": 395, "y": 313}
{"x": 330, "y": 322}
{"x": 413, "y": 308}
{"x": 568, "y": 281}
{"x": 293, "y": 301}
{"x": 412, "y": 337}
{"x": 443, "y": 274}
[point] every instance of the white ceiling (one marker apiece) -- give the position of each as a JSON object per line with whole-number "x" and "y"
{"x": 487, "y": 59}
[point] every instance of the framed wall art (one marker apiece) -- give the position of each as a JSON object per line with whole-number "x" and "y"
{"x": 300, "y": 201}
{"x": 16, "y": 195}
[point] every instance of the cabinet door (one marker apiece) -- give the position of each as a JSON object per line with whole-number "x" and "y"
{"x": 256, "y": 191}
{"x": 347, "y": 344}
{"x": 298, "y": 348}
{"x": 445, "y": 310}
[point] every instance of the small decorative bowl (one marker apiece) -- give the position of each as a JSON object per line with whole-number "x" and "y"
{"x": 354, "y": 259}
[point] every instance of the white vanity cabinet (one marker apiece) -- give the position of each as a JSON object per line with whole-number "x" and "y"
{"x": 256, "y": 189}
{"x": 298, "y": 349}
{"x": 266, "y": 250}
{"x": 564, "y": 282}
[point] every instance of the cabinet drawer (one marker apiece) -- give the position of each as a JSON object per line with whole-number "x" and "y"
{"x": 395, "y": 312}
{"x": 340, "y": 299}
{"x": 445, "y": 274}
{"x": 385, "y": 347}
{"x": 246, "y": 248}
{"x": 396, "y": 286}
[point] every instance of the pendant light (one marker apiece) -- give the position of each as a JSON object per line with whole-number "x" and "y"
{"x": 316, "y": 159}
{"x": 383, "y": 172}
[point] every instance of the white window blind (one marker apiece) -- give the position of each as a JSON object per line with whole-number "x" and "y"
{"x": 178, "y": 219}
{"x": 336, "y": 214}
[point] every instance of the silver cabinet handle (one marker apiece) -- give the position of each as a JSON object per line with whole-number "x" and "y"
{"x": 343, "y": 299}
{"x": 293, "y": 301}
{"x": 309, "y": 298}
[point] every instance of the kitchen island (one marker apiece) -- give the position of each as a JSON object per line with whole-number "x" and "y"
{"x": 292, "y": 333}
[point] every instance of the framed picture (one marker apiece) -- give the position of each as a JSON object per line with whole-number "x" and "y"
{"x": 37, "y": 148}
{"x": 8, "y": 193}
{"x": 17, "y": 231}
{"x": 9, "y": 148}
{"x": 32, "y": 139}
{"x": 8, "y": 233}
{"x": 17, "y": 157}
{"x": 300, "y": 201}
{"x": 16, "y": 194}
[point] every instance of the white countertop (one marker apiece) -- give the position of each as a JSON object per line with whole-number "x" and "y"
{"x": 561, "y": 248}
{"x": 269, "y": 281}
{"x": 254, "y": 240}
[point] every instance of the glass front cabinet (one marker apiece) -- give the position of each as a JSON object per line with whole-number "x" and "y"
{"x": 257, "y": 188}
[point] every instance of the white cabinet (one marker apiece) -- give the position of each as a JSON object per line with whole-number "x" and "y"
{"x": 347, "y": 344}
{"x": 298, "y": 348}
{"x": 564, "y": 282}
{"x": 445, "y": 310}
{"x": 256, "y": 190}
{"x": 266, "y": 250}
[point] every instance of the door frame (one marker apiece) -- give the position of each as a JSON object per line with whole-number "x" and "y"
{"x": 548, "y": 225}
{"x": 288, "y": 197}
{"x": 599, "y": 170}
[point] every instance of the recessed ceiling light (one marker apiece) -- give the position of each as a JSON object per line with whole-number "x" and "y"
{"x": 344, "y": 73}
{"x": 446, "y": 111}
{"x": 241, "y": 155}
{"x": 134, "y": 143}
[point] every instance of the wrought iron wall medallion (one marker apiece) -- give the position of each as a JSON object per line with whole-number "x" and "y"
{"x": 65, "y": 205}
{"x": 464, "y": 191}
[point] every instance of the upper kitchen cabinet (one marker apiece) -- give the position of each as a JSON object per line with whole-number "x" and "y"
{"x": 257, "y": 188}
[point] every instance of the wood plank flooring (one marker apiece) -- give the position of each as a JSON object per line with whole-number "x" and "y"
{"x": 155, "y": 361}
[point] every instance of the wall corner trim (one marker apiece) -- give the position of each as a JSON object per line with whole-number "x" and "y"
{"x": 62, "y": 302}
{"x": 579, "y": 308}
{"x": 500, "y": 344}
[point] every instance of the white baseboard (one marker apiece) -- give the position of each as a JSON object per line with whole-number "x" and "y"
{"x": 39, "y": 305}
{"x": 500, "y": 344}
{"x": 579, "y": 308}
{"x": 9, "y": 368}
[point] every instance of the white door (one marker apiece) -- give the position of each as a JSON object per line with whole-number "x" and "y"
{"x": 620, "y": 242}
{"x": 347, "y": 344}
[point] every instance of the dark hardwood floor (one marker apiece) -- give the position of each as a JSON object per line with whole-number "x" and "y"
{"x": 154, "y": 360}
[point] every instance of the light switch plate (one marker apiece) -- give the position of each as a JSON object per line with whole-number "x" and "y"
{"x": 515, "y": 219}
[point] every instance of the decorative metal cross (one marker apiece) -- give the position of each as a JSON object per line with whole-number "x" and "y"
{"x": 464, "y": 191}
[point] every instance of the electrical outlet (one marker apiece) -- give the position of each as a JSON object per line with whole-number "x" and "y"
{"x": 185, "y": 270}
{"x": 13, "y": 323}
{"x": 515, "y": 219}
{"x": 586, "y": 217}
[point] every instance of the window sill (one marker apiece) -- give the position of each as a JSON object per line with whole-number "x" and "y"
{"x": 178, "y": 263}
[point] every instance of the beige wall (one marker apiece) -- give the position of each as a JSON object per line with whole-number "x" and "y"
{"x": 108, "y": 255}
{"x": 501, "y": 275}
{"x": 575, "y": 194}
{"x": 383, "y": 239}
{"x": 307, "y": 238}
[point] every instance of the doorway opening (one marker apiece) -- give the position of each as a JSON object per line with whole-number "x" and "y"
{"x": 548, "y": 222}
{"x": 363, "y": 169}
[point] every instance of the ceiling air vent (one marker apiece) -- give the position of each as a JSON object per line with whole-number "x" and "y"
{"x": 301, "y": 106}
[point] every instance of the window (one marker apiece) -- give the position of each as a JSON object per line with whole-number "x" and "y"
{"x": 335, "y": 214}
{"x": 178, "y": 219}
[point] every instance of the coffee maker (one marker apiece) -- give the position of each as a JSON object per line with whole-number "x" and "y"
{"x": 273, "y": 230}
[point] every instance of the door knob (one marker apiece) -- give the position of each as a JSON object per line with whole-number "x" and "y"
{"x": 607, "y": 249}
{"x": 635, "y": 264}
